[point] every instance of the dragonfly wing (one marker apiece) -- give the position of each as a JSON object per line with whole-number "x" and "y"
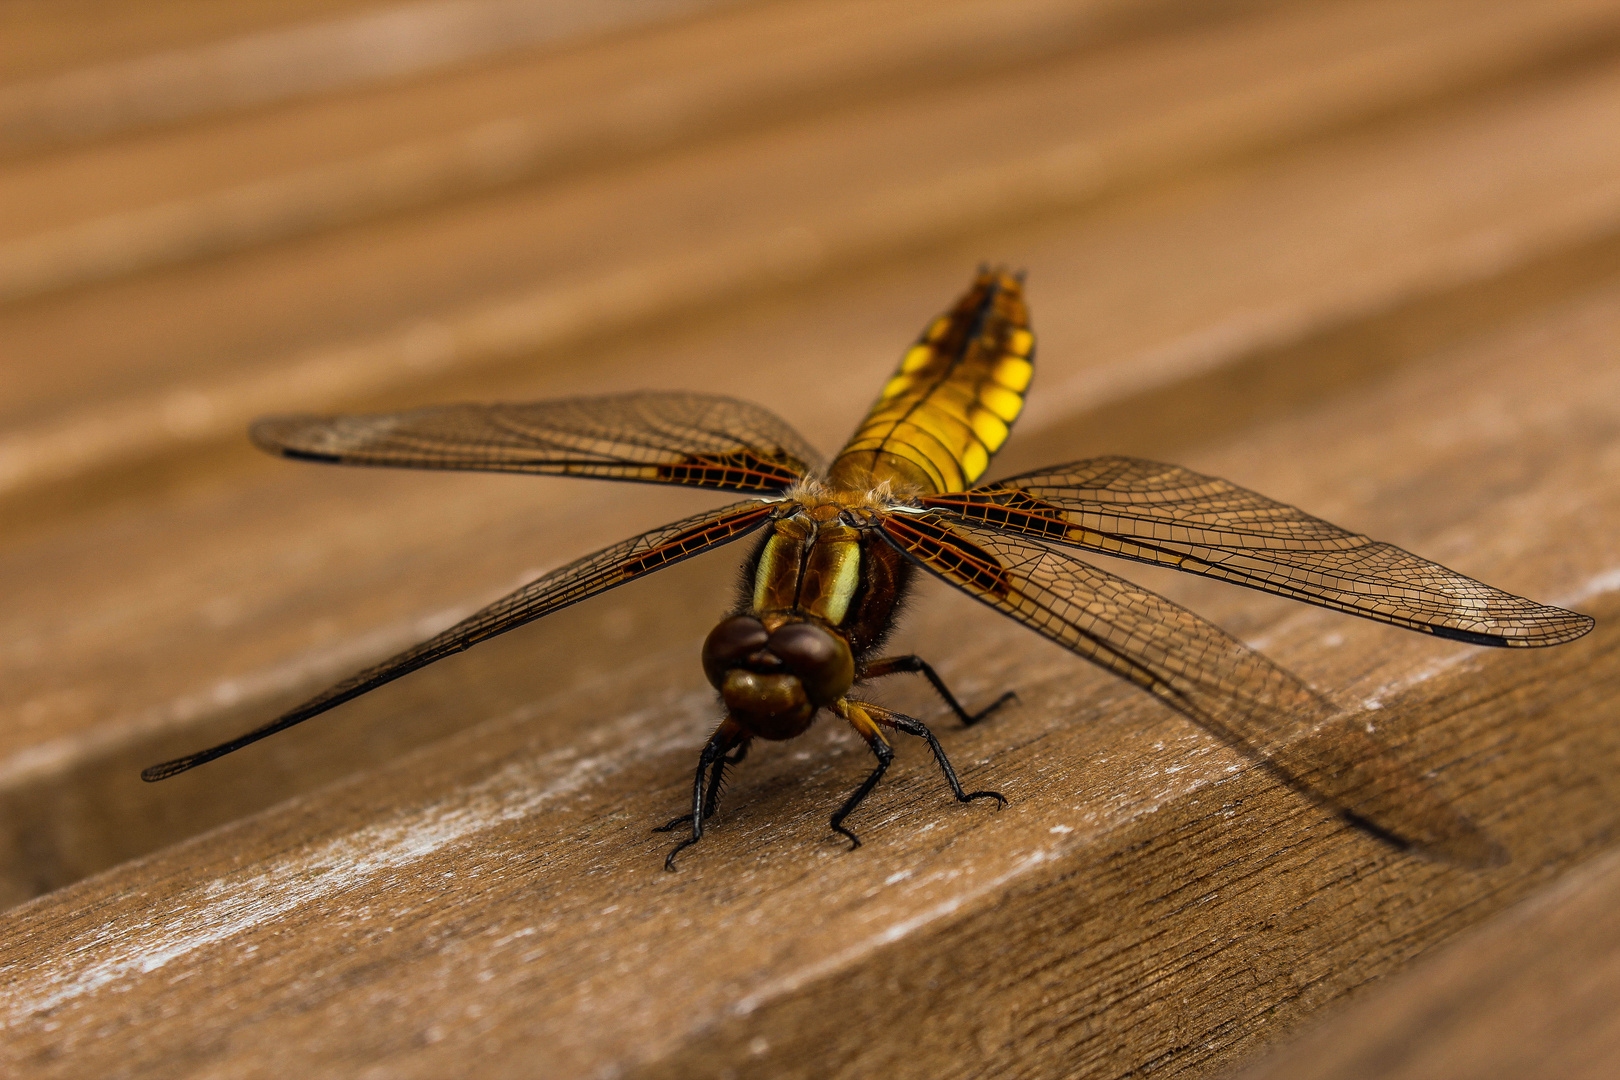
{"x": 1174, "y": 517}
{"x": 1199, "y": 670}
{"x": 562, "y": 587}
{"x": 702, "y": 440}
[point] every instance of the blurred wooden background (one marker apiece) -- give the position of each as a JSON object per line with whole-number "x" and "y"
{"x": 1360, "y": 255}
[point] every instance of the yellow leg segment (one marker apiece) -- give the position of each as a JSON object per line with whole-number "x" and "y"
{"x": 864, "y": 719}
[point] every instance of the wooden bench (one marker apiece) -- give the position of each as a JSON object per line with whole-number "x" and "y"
{"x": 1361, "y": 256}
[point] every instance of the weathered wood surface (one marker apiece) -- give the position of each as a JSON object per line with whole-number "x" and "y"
{"x": 1531, "y": 993}
{"x": 1364, "y": 257}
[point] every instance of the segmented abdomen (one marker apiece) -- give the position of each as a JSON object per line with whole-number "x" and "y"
{"x": 948, "y": 408}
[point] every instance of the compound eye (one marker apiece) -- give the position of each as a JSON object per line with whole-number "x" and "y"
{"x": 804, "y": 647}
{"x": 820, "y": 659}
{"x": 730, "y": 643}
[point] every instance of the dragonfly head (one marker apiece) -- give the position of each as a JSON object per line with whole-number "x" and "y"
{"x": 774, "y": 679}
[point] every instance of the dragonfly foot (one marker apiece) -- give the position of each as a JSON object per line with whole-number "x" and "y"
{"x": 1010, "y": 695}
{"x": 669, "y": 860}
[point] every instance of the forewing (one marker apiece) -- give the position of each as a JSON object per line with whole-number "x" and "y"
{"x": 701, "y": 440}
{"x": 1196, "y": 668}
{"x": 564, "y": 586}
{"x": 1173, "y": 517}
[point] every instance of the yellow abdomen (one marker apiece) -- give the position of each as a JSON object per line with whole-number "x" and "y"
{"x": 949, "y": 407}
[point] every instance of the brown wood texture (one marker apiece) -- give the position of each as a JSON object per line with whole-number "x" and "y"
{"x": 1361, "y": 256}
{"x": 1530, "y": 993}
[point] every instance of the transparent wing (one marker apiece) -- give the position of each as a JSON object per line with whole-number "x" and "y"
{"x": 1173, "y": 517}
{"x": 663, "y": 438}
{"x": 1197, "y": 669}
{"x": 562, "y": 587}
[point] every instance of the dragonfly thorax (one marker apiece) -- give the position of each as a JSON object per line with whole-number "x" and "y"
{"x": 810, "y": 563}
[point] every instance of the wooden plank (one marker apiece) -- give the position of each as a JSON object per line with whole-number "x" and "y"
{"x": 355, "y": 315}
{"x": 1529, "y": 993}
{"x": 1361, "y": 256}
{"x": 119, "y": 68}
{"x": 101, "y": 609}
{"x": 543, "y": 113}
{"x": 494, "y": 903}
{"x": 40, "y": 38}
{"x": 269, "y": 579}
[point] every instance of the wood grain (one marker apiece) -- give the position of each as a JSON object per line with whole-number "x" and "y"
{"x": 1363, "y": 257}
{"x": 1528, "y": 993}
{"x": 120, "y": 69}
{"x": 353, "y": 315}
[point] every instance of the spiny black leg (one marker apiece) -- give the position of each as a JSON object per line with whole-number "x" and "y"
{"x": 714, "y": 754}
{"x": 676, "y": 822}
{"x": 885, "y": 754}
{"x": 893, "y": 665}
{"x": 711, "y": 800}
{"x": 913, "y": 726}
{"x": 705, "y": 759}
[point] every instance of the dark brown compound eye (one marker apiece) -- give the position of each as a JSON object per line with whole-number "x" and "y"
{"x": 804, "y": 646}
{"x": 818, "y": 657}
{"x": 729, "y": 644}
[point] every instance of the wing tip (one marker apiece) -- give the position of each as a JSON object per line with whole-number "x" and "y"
{"x": 1560, "y": 628}
{"x": 306, "y": 455}
{"x": 278, "y": 434}
{"x": 162, "y": 771}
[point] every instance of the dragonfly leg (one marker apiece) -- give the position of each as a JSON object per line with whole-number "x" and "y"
{"x": 715, "y": 756}
{"x": 894, "y": 665}
{"x": 863, "y": 722}
{"x": 912, "y": 726}
{"x": 711, "y": 800}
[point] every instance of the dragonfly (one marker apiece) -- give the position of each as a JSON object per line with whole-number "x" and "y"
{"x": 838, "y": 547}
